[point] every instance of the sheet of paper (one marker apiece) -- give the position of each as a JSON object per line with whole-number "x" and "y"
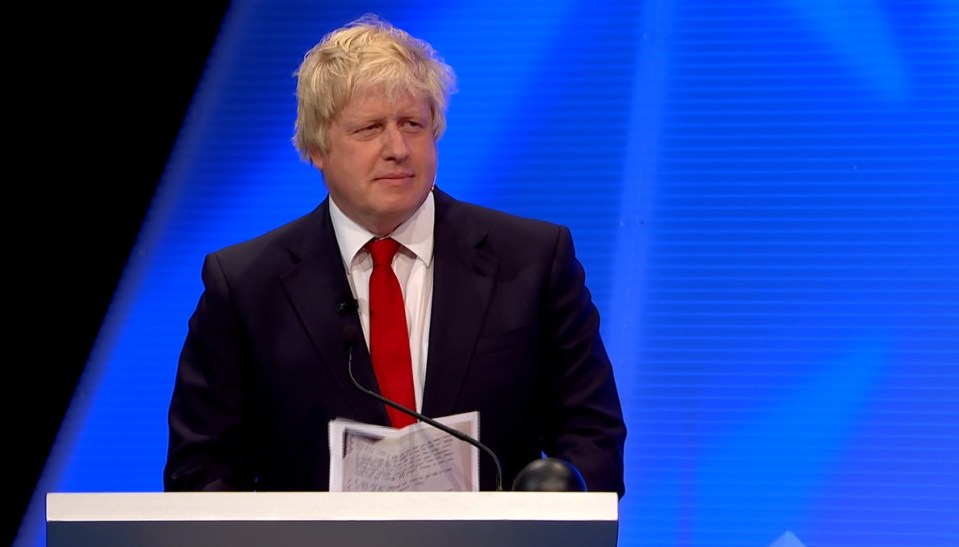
{"x": 417, "y": 458}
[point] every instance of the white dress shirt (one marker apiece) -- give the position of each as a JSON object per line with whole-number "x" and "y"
{"x": 413, "y": 265}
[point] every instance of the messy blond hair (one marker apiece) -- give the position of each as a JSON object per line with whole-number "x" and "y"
{"x": 368, "y": 52}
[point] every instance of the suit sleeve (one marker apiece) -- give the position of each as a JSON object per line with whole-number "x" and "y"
{"x": 208, "y": 415}
{"x": 585, "y": 423}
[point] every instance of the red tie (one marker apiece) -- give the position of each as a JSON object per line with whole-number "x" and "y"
{"x": 389, "y": 336}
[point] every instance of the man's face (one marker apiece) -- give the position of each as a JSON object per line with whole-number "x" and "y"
{"x": 381, "y": 159}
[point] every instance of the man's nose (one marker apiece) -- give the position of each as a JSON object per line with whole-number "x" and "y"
{"x": 394, "y": 143}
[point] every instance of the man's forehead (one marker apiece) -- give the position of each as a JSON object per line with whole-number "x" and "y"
{"x": 394, "y": 93}
{"x": 371, "y": 101}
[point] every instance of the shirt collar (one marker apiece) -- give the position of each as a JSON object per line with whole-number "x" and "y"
{"x": 416, "y": 233}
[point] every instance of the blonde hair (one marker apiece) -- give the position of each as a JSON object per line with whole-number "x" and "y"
{"x": 368, "y": 52}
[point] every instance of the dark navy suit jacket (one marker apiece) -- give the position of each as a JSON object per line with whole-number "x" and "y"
{"x": 514, "y": 334}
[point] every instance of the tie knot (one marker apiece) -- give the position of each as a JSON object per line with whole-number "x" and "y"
{"x": 383, "y": 250}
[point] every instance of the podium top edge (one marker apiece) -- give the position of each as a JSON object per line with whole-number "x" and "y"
{"x": 333, "y": 506}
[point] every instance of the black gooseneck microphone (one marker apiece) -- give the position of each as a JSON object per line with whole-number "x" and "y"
{"x": 349, "y": 341}
{"x": 345, "y": 305}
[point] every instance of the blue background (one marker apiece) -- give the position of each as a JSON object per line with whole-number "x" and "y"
{"x": 763, "y": 192}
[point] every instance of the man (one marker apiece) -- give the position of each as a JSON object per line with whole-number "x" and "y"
{"x": 498, "y": 315}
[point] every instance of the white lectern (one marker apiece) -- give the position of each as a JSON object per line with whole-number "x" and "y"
{"x": 301, "y": 519}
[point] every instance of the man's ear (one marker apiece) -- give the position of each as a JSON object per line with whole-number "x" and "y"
{"x": 317, "y": 159}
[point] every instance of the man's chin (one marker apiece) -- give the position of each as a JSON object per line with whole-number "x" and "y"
{"x": 386, "y": 218}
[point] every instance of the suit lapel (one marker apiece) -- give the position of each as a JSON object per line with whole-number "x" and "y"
{"x": 316, "y": 285}
{"x": 463, "y": 276}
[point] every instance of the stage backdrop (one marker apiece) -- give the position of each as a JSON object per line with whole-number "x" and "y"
{"x": 764, "y": 194}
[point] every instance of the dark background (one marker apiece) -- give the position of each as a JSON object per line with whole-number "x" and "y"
{"x": 98, "y": 96}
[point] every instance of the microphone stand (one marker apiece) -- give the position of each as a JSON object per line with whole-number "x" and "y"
{"x": 422, "y": 417}
{"x": 349, "y": 340}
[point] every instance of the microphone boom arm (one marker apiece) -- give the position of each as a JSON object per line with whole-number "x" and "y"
{"x": 456, "y": 433}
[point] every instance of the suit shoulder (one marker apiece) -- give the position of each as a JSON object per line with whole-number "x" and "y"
{"x": 275, "y": 241}
{"x": 510, "y": 223}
